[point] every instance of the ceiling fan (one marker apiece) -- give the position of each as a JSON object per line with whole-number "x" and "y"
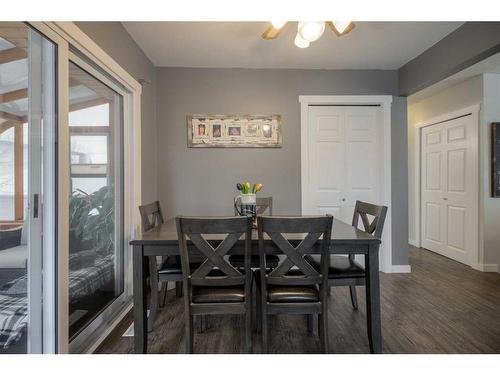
{"x": 309, "y": 31}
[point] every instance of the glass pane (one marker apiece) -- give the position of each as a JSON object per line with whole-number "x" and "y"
{"x": 96, "y": 246}
{"x": 27, "y": 82}
{"x": 13, "y": 188}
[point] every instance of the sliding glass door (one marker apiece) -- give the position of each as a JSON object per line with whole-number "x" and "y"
{"x": 96, "y": 245}
{"x": 69, "y": 188}
{"x": 27, "y": 181}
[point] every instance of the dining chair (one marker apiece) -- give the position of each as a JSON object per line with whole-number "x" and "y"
{"x": 345, "y": 271}
{"x": 170, "y": 269}
{"x": 294, "y": 286}
{"x": 215, "y": 286}
{"x": 263, "y": 204}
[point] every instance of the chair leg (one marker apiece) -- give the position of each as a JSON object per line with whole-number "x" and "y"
{"x": 310, "y": 323}
{"x": 153, "y": 281}
{"x": 178, "y": 289}
{"x": 323, "y": 331}
{"x": 354, "y": 298}
{"x": 163, "y": 294}
{"x": 189, "y": 334}
{"x": 258, "y": 312}
{"x": 265, "y": 347}
{"x": 199, "y": 323}
{"x": 248, "y": 325}
{"x": 323, "y": 322}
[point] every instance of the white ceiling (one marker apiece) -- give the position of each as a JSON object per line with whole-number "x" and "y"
{"x": 371, "y": 45}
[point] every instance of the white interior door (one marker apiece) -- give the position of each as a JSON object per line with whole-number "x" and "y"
{"x": 449, "y": 188}
{"x": 343, "y": 158}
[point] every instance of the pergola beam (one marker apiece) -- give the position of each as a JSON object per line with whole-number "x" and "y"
{"x": 12, "y": 117}
{"x": 13, "y": 95}
{"x": 12, "y": 54}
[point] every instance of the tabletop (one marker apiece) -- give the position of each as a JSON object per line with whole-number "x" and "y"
{"x": 166, "y": 234}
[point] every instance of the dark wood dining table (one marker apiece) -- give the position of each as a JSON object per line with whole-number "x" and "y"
{"x": 162, "y": 241}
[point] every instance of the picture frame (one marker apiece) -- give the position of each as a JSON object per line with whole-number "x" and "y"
{"x": 495, "y": 160}
{"x": 234, "y": 131}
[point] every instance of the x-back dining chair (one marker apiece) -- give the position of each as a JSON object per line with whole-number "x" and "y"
{"x": 345, "y": 271}
{"x": 170, "y": 269}
{"x": 264, "y": 205}
{"x": 214, "y": 286}
{"x": 294, "y": 286}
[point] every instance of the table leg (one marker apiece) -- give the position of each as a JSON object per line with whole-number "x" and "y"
{"x": 373, "y": 300}
{"x": 140, "y": 303}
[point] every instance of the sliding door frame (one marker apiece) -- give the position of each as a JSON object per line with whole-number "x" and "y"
{"x": 56, "y": 281}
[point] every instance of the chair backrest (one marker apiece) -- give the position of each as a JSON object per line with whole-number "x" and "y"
{"x": 294, "y": 269}
{"x": 263, "y": 204}
{"x": 213, "y": 268}
{"x": 362, "y": 210}
{"x": 151, "y": 215}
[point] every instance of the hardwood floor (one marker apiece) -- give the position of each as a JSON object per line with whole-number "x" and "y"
{"x": 441, "y": 307}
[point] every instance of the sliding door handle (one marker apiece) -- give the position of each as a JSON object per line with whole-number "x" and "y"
{"x": 35, "y": 205}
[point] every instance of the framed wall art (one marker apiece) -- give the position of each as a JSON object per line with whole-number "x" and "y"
{"x": 234, "y": 131}
{"x": 495, "y": 160}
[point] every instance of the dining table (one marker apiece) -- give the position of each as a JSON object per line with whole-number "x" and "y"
{"x": 162, "y": 241}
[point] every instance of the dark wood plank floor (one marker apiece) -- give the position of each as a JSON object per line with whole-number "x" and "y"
{"x": 441, "y": 307}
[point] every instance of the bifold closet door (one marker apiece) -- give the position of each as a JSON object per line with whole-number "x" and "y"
{"x": 449, "y": 188}
{"x": 344, "y": 158}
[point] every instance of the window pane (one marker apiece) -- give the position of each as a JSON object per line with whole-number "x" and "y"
{"x": 97, "y": 115}
{"x": 96, "y": 246}
{"x": 89, "y": 149}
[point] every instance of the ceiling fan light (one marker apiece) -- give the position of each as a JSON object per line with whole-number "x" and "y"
{"x": 278, "y": 24}
{"x": 341, "y": 26}
{"x": 301, "y": 43}
{"x": 311, "y": 31}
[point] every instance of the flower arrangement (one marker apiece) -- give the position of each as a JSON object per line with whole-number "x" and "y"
{"x": 245, "y": 187}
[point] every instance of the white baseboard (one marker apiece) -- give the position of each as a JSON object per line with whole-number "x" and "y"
{"x": 403, "y": 268}
{"x": 412, "y": 242}
{"x": 486, "y": 267}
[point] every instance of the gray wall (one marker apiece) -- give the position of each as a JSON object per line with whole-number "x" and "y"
{"x": 399, "y": 181}
{"x": 467, "y": 45}
{"x": 202, "y": 181}
{"x": 114, "y": 39}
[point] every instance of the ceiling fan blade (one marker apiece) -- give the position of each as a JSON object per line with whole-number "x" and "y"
{"x": 272, "y": 33}
{"x": 349, "y": 28}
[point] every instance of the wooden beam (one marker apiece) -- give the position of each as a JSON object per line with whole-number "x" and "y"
{"x": 10, "y": 116}
{"x": 12, "y": 54}
{"x": 87, "y": 104}
{"x": 15, "y": 33}
{"x": 4, "y": 126}
{"x": 13, "y": 95}
{"x": 18, "y": 173}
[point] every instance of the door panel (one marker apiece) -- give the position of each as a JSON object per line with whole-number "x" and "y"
{"x": 326, "y": 137}
{"x": 343, "y": 167}
{"x": 449, "y": 188}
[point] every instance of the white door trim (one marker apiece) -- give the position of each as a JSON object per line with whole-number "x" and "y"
{"x": 384, "y": 101}
{"x": 474, "y": 112}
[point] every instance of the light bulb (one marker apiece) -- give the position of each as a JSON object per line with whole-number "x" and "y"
{"x": 341, "y": 26}
{"x": 278, "y": 24}
{"x": 311, "y": 31}
{"x": 301, "y": 43}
